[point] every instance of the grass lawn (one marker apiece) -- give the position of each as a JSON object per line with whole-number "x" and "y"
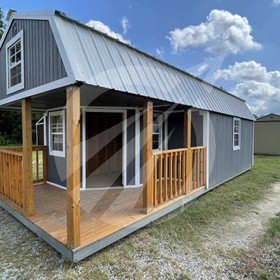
{"x": 173, "y": 247}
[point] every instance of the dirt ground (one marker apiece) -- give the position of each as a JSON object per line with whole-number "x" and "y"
{"x": 242, "y": 232}
{"x": 24, "y": 256}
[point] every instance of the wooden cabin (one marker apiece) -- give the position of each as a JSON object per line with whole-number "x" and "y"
{"x": 126, "y": 138}
{"x": 267, "y": 135}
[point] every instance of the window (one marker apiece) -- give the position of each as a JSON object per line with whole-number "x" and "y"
{"x": 15, "y": 63}
{"x": 236, "y": 133}
{"x": 157, "y": 131}
{"x": 57, "y": 133}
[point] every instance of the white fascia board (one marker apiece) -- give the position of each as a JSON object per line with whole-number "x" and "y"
{"x": 36, "y": 91}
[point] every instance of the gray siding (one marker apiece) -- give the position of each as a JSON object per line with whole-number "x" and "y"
{"x": 42, "y": 60}
{"x": 57, "y": 170}
{"x": 56, "y": 165}
{"x": 176, "y": 130}
{"x": 224, "y": 163}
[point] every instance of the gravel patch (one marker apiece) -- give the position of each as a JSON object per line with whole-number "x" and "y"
{"x": 24, "y": 256}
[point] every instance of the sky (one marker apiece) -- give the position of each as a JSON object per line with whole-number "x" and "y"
{"x": 233, "y": 44}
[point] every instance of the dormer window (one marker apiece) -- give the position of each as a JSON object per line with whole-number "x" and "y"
{"x": 15, "y": 63}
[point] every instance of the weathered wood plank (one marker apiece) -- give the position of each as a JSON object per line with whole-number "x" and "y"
{"x": 148, "y": 156}
{"x": 73, "y": 166}
{"x": 28, "y": 200}
{"x": 187, "y": 142}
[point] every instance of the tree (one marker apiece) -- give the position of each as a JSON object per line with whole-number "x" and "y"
{"x": 2, "y": 24}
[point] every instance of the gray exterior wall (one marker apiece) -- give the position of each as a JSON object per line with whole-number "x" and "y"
{"x": 176, "y": 130}
{"x": 224, "y": 163}
{"x": 57, "y": 170}
{"x": 56, "y": 165}
{"x": 42, "y": 60}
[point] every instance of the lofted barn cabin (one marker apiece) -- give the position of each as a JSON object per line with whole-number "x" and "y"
{"x": 125, "y": 138}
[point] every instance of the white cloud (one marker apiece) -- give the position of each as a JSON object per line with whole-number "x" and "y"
{"x": 202, "y": 68}
{"x": 160, "y": 52}
{"x": 254, "y": 83}
{"x": 125, "y": 24}
{"x": 100, "y": 26}
{"x": 276, "y": 2}
{"x": 222, "y": 32}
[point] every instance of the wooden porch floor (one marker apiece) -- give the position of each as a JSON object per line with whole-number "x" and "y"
{"x": 103, "y": 212}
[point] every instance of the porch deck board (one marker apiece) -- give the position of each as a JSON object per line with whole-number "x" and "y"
{"x": 102, "y": 211}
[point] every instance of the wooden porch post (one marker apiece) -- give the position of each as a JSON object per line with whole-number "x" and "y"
{"x": 148, "y": 156}
{"x": 27, "y": 180}
{"x": 73, "y": 166}
{"x": 187, "y": 144}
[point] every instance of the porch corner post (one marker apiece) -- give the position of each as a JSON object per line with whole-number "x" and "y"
{"x": 148, "y": 156}
{"x": 187, "y": 144}
{"x": 73, "y": 166}
{"x": 27, "y": 180}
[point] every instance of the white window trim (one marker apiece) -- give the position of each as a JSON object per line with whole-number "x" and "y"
{"x": 51, "y": 152}
{"x": 235, "y": 148}
{"x": 19, "y": 86}
{"x": 160, "y": 144}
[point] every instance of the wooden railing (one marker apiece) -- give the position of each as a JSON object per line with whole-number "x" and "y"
{"x": 39, "y": 162}
{"x": 11, "y": 176}
{"x": 11, "y": 171}
{"x": 170, "y": 173}
{"x": 198, "y": 167}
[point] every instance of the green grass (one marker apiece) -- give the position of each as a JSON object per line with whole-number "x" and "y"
{"x": 141, "y": 255}
{"x": 40, "y": 165}
{"x": 229, "y": 199}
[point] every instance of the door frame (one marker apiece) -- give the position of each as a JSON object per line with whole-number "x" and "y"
{"x": 124, "y": 142}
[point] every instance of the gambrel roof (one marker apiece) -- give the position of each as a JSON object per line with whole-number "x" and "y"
{"x": 94, "y": 58}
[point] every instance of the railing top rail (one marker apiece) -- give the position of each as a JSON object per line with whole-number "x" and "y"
{"x": 198, "y": 148}
{"x": 39, "y": 148}
{"x": 10, "y": 152}
{"x": 170, "y": 151}
{"x": 177, "y": 150}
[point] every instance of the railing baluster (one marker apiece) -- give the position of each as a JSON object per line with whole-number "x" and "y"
{"x": 170, "y": 185}
{"x": 160, "y": 178}
{"x": 155, "y": 188}
{"x": 170, "y": 176}
{"x": 11, "y": 171}
{"x": 165, "y": 176}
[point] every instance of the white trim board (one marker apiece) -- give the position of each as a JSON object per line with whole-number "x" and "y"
{"x": 124, "y": 140}
{"x": 36, "y": 91}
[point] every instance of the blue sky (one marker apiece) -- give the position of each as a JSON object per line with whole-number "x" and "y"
{"x": 230, "y": 43}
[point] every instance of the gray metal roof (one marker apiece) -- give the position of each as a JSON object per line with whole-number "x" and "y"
{"x": 97, "y": 59}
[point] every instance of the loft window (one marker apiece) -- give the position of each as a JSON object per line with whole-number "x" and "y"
{"x": 57, "y": 133}
{"x": 157, "y": 131}
{"x": 15, "y": 63}
{"x": 236, "y": 133}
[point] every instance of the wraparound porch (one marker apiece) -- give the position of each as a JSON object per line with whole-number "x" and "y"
{"x": 86, "y": 221}
{"x": 106, "y": 216}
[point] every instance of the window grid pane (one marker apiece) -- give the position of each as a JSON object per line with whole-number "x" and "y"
{"x": 236, "y": 133}
{"x": 57, "y": 133}
{"x": 15, "y": 64}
